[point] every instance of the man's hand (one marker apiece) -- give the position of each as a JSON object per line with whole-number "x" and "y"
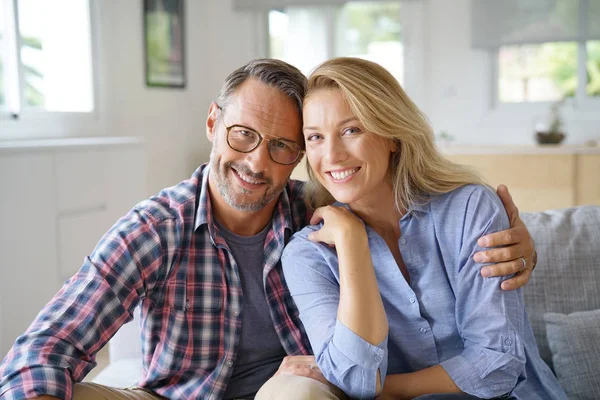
{"x": 518, "y": 246}
{"x": 302, "y": 366}
{"x": 306, "y": 366}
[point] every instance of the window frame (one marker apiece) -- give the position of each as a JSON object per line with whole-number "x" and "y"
{"x": 30, "y": 123}
{"x": 414, "y": 28}
{"x": 581, "y": 100}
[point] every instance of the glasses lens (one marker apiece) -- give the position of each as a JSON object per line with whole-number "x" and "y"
{"x": 242, "y": 139}
{"x": 284, "y": 151}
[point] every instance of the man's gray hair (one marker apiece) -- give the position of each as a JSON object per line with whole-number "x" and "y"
{"x": 276, "y": 73}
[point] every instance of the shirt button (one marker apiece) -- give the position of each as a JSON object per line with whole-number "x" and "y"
{"x": 402, "y": 241}
{"x": 412, "y": 300}
{"x": 508, "y": 342}
{"x": 236, "y": 312}
{"x": 377, "y": 358}
{"x": 229, "y": 363}
{"x": 423, "y": 330}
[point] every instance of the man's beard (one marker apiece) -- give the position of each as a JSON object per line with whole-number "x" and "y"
{"x": 239, "y": 199}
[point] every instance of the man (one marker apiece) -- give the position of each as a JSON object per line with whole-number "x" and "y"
{"x": 202, "y": 261}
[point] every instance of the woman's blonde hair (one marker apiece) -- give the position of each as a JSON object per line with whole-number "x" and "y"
{"x": 417, "y": 169}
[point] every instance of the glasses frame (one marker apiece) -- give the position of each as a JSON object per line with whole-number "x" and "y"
{"x": 260, "y": 140}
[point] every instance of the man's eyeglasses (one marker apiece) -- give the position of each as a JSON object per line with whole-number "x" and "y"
{"x": 245, "y": 140}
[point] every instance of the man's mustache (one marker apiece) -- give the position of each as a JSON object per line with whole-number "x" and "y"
{"x": 260, "y": 176}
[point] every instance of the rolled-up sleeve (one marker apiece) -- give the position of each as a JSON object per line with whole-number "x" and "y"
{"x": 491, "y": 321}
{"x": 345, "y": 359}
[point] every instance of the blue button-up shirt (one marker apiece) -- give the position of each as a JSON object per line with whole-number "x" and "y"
{"x": 448, "y": 314}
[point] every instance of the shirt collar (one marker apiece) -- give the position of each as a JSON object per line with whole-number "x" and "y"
{"x": 415, "y": 207}
{"x": 419, "y": 207}
{"x": 204, "y": 209}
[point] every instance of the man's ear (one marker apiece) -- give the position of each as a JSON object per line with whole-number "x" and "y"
{"x": 211, "y": 121}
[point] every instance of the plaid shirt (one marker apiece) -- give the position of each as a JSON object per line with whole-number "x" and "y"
{"x": 167, "y": 255}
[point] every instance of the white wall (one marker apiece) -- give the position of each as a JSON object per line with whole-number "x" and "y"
{"x": 171, "y": 121}
{"x": 49, "y": 227}
{"x": 457, "y": 87}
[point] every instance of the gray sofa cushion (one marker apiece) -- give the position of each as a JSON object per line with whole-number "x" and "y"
{"x": 574, "y": 341}
{"x": 567, "y": 278}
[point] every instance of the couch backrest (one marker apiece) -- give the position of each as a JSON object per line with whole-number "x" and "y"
{"x": 567, "y": 276}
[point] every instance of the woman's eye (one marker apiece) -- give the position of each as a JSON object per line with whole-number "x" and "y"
{"x": 313, "y": 137}
{"x": 351, "y": 131}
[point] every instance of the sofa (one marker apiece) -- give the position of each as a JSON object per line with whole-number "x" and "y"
{"x": 562, "y": 301}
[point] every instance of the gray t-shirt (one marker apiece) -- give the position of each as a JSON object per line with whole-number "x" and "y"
{"x": 260, "y": 352}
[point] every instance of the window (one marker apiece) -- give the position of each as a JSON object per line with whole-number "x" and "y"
{"x": 547, "y": 50}
{"x": 45, "y": 56}
{"x": 548, "y": 71}
{"x": 308, "y": 35}
{"x": 372, "y": 31}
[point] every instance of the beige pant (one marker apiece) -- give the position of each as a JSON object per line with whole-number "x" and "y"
{"x": 293, "y": 387}
{"x": 288, "y": 387}
{"x": 93, "y": 391}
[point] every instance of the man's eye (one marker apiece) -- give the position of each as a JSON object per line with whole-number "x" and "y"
{"x": 281, "y": 145}
{"x": 243, "y": 132}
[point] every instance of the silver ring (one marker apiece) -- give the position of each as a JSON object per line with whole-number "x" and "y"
{"x": 524, "y": 262}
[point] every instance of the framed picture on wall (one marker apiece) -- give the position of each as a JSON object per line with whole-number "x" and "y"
{"x": 164, "y": 44}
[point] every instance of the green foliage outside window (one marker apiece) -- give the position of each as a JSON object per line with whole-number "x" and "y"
{"x": 556, "y": 61}
{"x": 593, "y": 68}
{"x": 376, "y": 22}
{"x": 560, "y": 61}
{"x": 33, "y": 96}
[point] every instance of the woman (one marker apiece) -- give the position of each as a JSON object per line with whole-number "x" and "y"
{"x": 385, "y": 280}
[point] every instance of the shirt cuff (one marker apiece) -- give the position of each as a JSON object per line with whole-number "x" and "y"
{"x": 37, "y": 381}
{"x": 358, "y": 350}
{"x": 481, "y": 374}
{"x": 355, "y": 363}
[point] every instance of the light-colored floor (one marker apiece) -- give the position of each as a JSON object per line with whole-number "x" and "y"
{"x": 102, "y": 360}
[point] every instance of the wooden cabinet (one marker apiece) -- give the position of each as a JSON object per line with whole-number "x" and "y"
{"x": 57, "y": 198}
{"x": 536, "y": 182}
{"x": 588, "y": 179}
{"x": 538, "y": 178}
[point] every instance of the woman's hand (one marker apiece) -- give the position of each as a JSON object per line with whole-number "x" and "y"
{"x": 338, "y": 223}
